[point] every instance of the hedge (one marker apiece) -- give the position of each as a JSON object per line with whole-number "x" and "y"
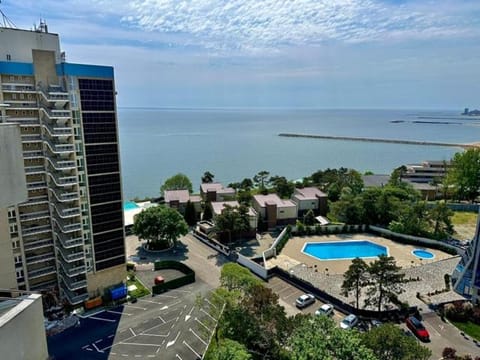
{"x": 188, "y": 278}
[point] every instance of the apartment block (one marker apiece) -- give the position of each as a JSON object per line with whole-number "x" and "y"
{"x": 68, "y": 236}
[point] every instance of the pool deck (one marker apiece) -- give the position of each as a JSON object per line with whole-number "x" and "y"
{"x": 292, "y": 255}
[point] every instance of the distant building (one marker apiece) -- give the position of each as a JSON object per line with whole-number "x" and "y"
{"x": 178, "y": 199}
{"x": 216, "y": 192}
{"x": 426, "y": 190}
{"x": 426, "y": 172}
{"x": 466, "y": 276}
{"x": 22, "y": 334}
{"x": 275, "y": 211}
{"x": 310, "y": 198}
{"x": 252, "y": 214}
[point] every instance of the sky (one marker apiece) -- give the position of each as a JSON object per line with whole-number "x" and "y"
{"x": 397, "y": 54}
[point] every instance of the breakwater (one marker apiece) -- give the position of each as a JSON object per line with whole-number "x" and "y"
{"x": 380, "y": 140}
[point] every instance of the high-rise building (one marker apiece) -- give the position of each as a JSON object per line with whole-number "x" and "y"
{"x": 69, "y": 235}
{"x": 466, "y": 276}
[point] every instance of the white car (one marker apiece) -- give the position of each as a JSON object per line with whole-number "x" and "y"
{"x": 326, "y": 309}
{"x": 305, "y": 300}
{"x": 349, "y": 322}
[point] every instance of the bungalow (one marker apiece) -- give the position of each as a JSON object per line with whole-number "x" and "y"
{"x": 220, "y": 205}
{"x": 310, "y": 198}
{"x": 177, "y": 199}
{"x": 275, "y": 211}
{"x": 216, "y": 192}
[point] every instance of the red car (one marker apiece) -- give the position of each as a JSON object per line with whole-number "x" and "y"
{"x": 417, "y": 328}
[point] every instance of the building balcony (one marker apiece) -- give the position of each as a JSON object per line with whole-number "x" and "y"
{"x": 56, "y": 131}
{"x": 72, "y": 284}
{"x": 71, "y": 255}
{"x": 18, "y": 87}
{"x": 33, "y": 154}
{"x": 23, "y": 121}
{"x": 32, "y": 274}
{"x": 44, "y": 285}
{"x": 35, "y": 200}
{"x": 36, "y": 169}
{"x": 61, "y": 195}
{"x": 36, "y": 185}
{"x": 65, "y": 212}
{"x": 62, "y": 181}
{"x": 72, "y": 269}
{"x": 67, "y": 227}
{"x": 34, "y": 259}
{"x": 69, "y": 242}
{"x": 37, "y": 244}
{"x": 59, "y": 148}
{"x": 35, "y": 230}
{"x": 29, "y": 138}
{"x": 61, "y": 165}
{"x": 34, "y": 215}
{"x": 56, "y": 114}
{"x": 73, "y": 298}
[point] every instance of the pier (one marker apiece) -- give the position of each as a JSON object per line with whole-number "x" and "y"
{"x": 391, "y": 141}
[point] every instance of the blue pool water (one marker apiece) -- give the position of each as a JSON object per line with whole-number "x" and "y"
{"x": 129, "y": 205}
{"x": 343, "y": 250}
{"x": 423, "y": 254}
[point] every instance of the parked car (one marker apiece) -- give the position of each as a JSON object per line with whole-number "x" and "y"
{"x": 325, "y": 309}
{"x": 417, "y": 328}
{"x": 349, "y": 322}
{"x": 305, "y": 300}
{"x": 375, "y": 323}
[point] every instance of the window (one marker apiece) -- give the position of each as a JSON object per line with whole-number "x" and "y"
{"x": 9, "y": 57}
{"x": 13, "y": 229}
{"x": 18, "y": 260}
{"x": 22, "y": 96}
{"x": 14, "y": 96}
{"x": 19, "y": 273}
{"x": 16, "y": 244}
{"x": 11, "y": 214}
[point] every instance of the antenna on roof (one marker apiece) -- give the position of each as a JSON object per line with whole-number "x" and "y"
{"x": 7, "y": 23}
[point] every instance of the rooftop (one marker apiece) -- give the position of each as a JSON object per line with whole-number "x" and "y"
{"x": 218, "y": 207}
{"x": 218, "y": 187}
{"x": 273, "y": 199}
{"x": 181, "y": 196}
{"x": 309, "y": 193}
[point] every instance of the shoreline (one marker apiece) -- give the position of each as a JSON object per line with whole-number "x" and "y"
{"x": 380, "y": 140}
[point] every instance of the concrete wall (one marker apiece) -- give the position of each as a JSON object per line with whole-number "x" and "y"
{"x": 101, "y": 280}
{"x": 8, "y": 278}
{"x": 12, "y": 175}
{"x": 44, "y": 68}
{"x": 286, "y": 212}
{"x": 253, "y": 266}
{"x": 22, "y": 335}
{"x": 304, "y": 205}
{"x": 9, "y": 38}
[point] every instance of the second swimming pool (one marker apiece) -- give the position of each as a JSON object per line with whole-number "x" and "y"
{"x": 344, "y": 250}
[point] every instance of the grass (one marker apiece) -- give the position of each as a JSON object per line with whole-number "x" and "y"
{"x": 464, "y": 218}
{"x": 468, "y": 328}
{"x": 141, "y": 289}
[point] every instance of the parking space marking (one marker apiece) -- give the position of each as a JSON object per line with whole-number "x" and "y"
{"x": 161, "y": 319}
{"x": 178, "y": 356}
{"x": 102, "y": 319}
{"x": 96, "y": 348}
{"x": 210, "y": 316}
{"x": 205, "y": 326}
{"x": 137, "y": 307}
{"x": 139, "y": 344}
{"x": 118, "y": 312}
{"x": 197, "y": 336}
{"x": 167, "y": 296}
{"x": 133, "y": 332}
{"x": 150, "y": 301}
{"x": 170, "y": 343}
{"x": 159, "y": 335}
{"x": 188, "y": 346}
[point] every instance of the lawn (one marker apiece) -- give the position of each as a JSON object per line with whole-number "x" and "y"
{"x": 468, "y": 328}
{"x": 141, "y": 289}
{"x": 464, "y": 218}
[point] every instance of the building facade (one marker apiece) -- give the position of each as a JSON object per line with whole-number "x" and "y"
{"x": 69, "y": 235}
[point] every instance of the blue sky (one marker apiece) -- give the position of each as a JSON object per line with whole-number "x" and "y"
{"x": 274, "y": 53}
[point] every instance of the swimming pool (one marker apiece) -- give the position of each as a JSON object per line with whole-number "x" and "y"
{"x": 130, "y": 205}
{"x": 423, "y": 254}
{"x": 344, "y": 250}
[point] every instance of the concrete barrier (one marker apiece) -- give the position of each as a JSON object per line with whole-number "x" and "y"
{"x": 257, "y": 269}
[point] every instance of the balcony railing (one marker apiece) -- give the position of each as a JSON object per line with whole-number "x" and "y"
{"x": 72, "y": 270}
{"x": 72, "y": 284}
{"x": 34, "y": 215}
{"x": 71, "y": 256}
{"x": 39, "y": 258}
{"x": 32, "y": 274}
{"x": 56, "y": 114}
{"x": 62, "y": 164}
{"x": 44, "y": 285}
{"x": 35, "y": 200}
{"x": 67, "y": 227}
{"x": 63, "y": 196}
{"x": 33, "y": 154}
{"x": 66, "y": 212}
{"x": 34, "y": 169}
{"x": 68, "y": 241}
{"x": 18, "y": 87}
{"x": 34, "y": 230}
{"x": 55, "y": 131}
{"x": 37, "y": 244}
{"x": 72, "y": 297}
{"x": 31, "y": 138}
{"x": 59, "y": 148}
{"x": 63, "y": 180}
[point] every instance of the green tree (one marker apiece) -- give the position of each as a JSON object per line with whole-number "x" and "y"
{"x": 236, "y": 277}
{"x": 228, "y": 350}
{"x": 232, "y": 220}
{"x": 160, "y": 226}
{"x": 177, "y": 182}
{"x": 207, "y": 212}
{"x": 413, "y": 220}
{"x": 388, "y": 342}
{"x": 260, "y": 179}
{"x": 355, "y": 278}
{"x": 246, "y": 184}
{"x": 440, "y": 215}
{"x": 348, "y": 208}
{"x": 385, "y": 281}
{"x": 320, "y": 338}
{"x": 207, "y": 177}
{"x": 190, "y": 214}
{"x": 309, "y": 218}
{"x": 464, "y": 174}
{"x": 282, "y": 186}
{"x": 244, "y": 196}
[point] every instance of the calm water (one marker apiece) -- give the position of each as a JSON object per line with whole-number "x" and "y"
{"x": 234, "y": 144}
{"x": 344, "y": 250}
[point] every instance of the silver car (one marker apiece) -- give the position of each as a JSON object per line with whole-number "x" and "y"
{"x": 304, "y": 300}
{"x": 349, "y": 322}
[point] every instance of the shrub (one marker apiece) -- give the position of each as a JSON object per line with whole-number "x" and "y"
{"x": 130, "y": 266}
{"x": 447, "y": 281}
{"x": 449, "y": 353}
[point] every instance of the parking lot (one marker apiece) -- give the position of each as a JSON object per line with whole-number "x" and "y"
{"x": 288, "y": 294}
{"x": 166, "y": 326}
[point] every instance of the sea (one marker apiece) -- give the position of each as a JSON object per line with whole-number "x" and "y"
{"x": 234, "y": 144}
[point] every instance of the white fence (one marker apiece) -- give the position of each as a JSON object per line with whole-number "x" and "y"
{"x": 272, "y": 250}
{"x": 253, "y": 266}
{"x": 416, "y": 238}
